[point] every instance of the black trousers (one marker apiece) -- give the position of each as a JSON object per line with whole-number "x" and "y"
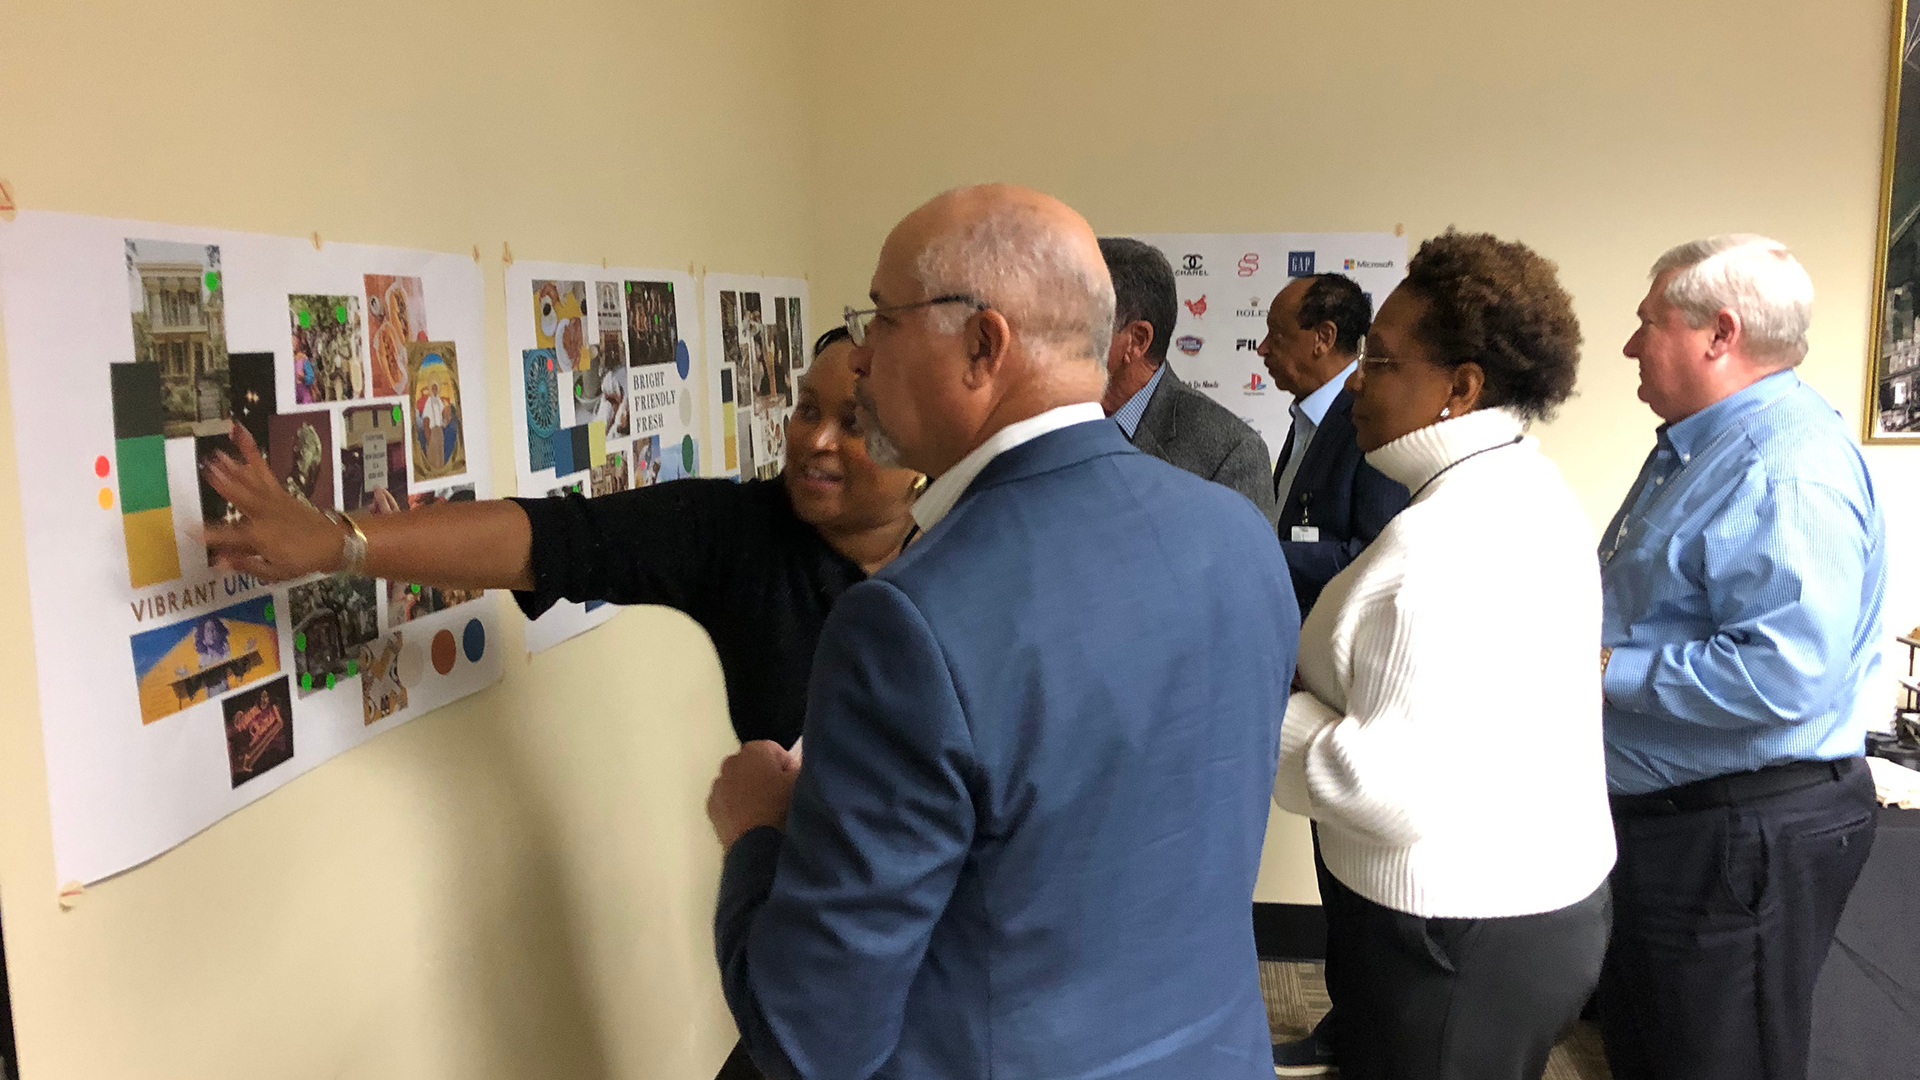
{"x": 1455, "y": 999}
{"x": 1722, "y": 918}
{"x": 739, "y": 1066}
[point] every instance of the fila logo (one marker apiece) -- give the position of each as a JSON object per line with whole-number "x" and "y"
{"x": 1245, "y": 344}
{"x": 1197, "y": 307}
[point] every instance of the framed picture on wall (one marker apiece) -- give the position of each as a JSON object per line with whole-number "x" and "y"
{"x": 1892, "y": 412}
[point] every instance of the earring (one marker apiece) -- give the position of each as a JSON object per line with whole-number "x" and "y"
{"x": 1445, "y": 412}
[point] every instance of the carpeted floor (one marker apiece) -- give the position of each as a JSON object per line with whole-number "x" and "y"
{"x": 1297, "y": 997}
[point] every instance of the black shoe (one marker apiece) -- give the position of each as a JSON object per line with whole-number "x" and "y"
{"x": 1311, "y": 1056}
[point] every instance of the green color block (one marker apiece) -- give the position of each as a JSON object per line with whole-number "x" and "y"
{"x": 142, "y": 464}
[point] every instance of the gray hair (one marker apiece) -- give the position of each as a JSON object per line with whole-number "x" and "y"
{"x": 1756, "y": 277}
{"x": 1018, "y": 263}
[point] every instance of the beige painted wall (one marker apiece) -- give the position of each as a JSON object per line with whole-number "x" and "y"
{"x": 520, "y": 885}
{"x": 1599, "y": 133}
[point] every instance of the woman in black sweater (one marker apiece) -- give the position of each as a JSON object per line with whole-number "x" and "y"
{"x": 757, "y": 564}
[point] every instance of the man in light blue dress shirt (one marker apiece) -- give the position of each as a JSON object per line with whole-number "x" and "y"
{"x": 1743, "y": 577}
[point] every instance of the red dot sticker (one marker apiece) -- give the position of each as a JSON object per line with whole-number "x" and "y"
{"x": 101, "y": 466}
{"x": 445, "y": 651}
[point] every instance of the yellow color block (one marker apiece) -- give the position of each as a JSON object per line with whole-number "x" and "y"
{"x": 596, "y": 443}
{"x": 153, "y": 555}
{"x": 729, "y": 436}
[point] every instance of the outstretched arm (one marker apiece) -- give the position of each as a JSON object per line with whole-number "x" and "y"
{"x": 476, "y": 545}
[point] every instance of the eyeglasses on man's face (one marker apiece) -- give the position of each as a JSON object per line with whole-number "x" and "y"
{"x": 858, "y": 321}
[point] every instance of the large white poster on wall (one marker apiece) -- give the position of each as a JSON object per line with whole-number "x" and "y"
{"x": 173, "y": 693}
{"x": 1227, "y": 280}
{"x": 605, "y": 397}
{"x": 757, "y": 346}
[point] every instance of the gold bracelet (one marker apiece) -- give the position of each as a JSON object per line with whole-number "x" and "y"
{"x": 1606, "y": 657}
{"x": 353, "y": 546}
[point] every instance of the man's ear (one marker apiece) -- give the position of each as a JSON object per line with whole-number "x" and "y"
{"x": 988, "y": 339}
{"x": 1727, "y": 331}
{"x": 1139, "y": 334}
{"x": 1325, "y": 337}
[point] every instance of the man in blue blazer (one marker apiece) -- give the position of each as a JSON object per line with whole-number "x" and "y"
{"x": 1332, "y": 503}
{"x": 1040, "y": 744}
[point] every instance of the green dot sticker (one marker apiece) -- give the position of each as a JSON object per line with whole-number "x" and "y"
{"x": 669, "y": 286}
{"x": 306, "y": 320}
{"x": 353, "y": 667}
{"x": 396, "y": 414}
{"x": 306, "y": 680}
{"x": 300, "y": 642}
{"x": 269, "y": 611}
{"x": 329, "y": 680}
{"x": 415, "y": 588}
{"x": 213, "y": 281}
{"x": 629, "y": 286}
{"x": 339, "y": 313}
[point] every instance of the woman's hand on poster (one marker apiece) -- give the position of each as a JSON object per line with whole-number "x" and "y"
{"x": 279, "y": 537}
{"x": 383, "y": 501}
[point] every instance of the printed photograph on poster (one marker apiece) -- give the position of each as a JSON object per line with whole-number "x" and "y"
{"x": 214, "y": 508}
{"x": 382, "y": 693}
{"x": 396, "y": 315}
{"x": 253, "y": 397}
{"x": 560, "y": 321}
{"x": 600, "y": 387}
{"x": 646, "y": 461}
{"x": 543, "y": 406}
{"x": 373, "y": 459}
{"x": 652, "y": 324}
{"x": 676, "y": 462}
{"x": 199, "y": 658}
{"x": 439, "y": 448}
{"x": 326, "y": 349}
{"x": 178, "y": 305}
{"x": 259, "y": 730}
{"x": 611, "y": 475}
{"x": 300, "y": 452}
{"x": 332, "y": 618}
{"x": 407, "y": 601}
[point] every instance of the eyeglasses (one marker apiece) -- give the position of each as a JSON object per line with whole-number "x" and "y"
{"x": 857, "y": 321}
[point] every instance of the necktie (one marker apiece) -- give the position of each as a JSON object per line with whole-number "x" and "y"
{"x": 1280, "y": 463}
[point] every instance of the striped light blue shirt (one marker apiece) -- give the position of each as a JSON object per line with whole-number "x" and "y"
{"x": 1743, "y": 577}
{"x": 1128, "y": 415}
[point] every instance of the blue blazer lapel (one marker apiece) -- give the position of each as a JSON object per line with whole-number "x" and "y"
{"x": 1054, "y": 450}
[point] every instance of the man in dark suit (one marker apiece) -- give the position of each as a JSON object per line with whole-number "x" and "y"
{"x": 1161, "y": 414}
{"x": 1025, "y": 837}
{"x": 1332, "y": 503}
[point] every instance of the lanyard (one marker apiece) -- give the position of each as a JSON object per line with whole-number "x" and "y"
{"x": 1517, "y": 440}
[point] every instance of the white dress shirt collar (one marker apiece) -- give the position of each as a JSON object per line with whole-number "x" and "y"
{"x": 1315, "y": 405}
{"x": 938, "y": 499}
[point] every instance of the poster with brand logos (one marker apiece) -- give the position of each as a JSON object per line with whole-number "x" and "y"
{"x": 605, "y": 395}
{"x": 1226, "y": 282}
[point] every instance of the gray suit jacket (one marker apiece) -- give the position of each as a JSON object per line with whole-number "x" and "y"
{"x": 1185, "y": 427}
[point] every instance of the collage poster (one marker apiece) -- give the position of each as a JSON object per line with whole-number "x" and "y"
{"x": 605, "y": 397}
{"x": 1226, "y": 282}
{"x": 173, "y": 692}
{"x": 758, "y": 343}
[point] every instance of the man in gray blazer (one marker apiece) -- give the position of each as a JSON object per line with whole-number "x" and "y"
{"x": 1158, "y": 413}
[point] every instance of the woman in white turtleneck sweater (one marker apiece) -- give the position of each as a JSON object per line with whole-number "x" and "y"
{"x": 1445, "y": 734}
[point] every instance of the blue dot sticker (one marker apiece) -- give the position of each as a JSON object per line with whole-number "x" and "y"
{"x": 682, "y": 360}
{"x": 474, "y": 640}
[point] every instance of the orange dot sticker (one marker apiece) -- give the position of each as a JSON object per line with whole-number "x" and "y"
{"x": 445, "y": 651}
{"x": 106, "y": 498}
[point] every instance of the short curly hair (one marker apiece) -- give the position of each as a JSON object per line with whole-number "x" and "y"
{"x": 1498, "y": 304}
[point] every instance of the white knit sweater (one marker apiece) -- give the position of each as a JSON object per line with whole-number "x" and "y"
{"x": 1448, "y": 740}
